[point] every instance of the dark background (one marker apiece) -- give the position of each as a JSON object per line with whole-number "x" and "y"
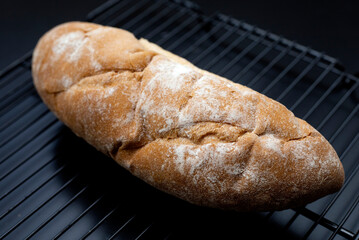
{"x": 328, "y": 26}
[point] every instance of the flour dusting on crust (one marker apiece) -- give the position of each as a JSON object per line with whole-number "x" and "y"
{"x": 71, "y": 44}
{"x": 186, "y": 131}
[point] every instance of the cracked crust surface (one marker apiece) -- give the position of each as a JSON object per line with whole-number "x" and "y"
{"x": 186, "y": 131}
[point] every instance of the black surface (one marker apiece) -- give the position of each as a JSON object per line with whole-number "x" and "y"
{"x": 53, "y": 184}
{"x": 329, "y": 26}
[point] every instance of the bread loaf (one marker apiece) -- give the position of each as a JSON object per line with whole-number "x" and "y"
{"x": 183, "y": 130}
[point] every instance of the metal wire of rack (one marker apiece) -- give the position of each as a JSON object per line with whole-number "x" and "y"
{"x": 53, "y": 185}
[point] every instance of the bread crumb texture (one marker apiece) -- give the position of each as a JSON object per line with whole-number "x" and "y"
{"x": 186, "y": 131}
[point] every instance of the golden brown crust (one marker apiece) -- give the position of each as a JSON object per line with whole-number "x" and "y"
{"x": 183, "y": 130}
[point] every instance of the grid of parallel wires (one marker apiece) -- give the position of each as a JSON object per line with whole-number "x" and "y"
{"x": 46, "y": 192}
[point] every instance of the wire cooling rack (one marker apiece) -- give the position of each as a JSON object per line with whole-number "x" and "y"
{"x": 54, "y": 185}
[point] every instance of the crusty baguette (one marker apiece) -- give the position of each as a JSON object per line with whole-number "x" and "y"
{"x": 185, "y": 131}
